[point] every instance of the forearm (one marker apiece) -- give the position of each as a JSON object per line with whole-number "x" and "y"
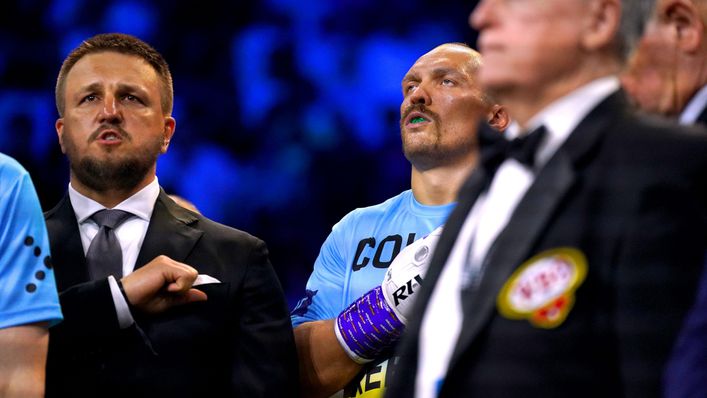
{"x": 23, "y": 356}
{"x": 325, "y": 368}
{"x": 367, "y": 328}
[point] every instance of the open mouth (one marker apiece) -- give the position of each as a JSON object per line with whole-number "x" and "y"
{"x": 416, "y": 118}
{"x": 109, "y": 137}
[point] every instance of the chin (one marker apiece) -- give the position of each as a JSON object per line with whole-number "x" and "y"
{"x": 492, "y": 79}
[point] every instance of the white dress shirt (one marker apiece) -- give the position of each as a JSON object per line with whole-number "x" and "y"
{"x": 130, "y": 234}
{"x": 695, "y": 107}
{"x": 490, "y": 213}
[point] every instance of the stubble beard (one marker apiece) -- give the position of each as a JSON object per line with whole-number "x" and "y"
{"x": 430, "y": 152}
{"x": 423, "y": 153}
{"x": 422, "y": 149}
{"x": 122, "y": 173}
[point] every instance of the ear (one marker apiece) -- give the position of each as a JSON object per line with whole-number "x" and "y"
{"x": 498, "y": 118}
{"x": 603, "y": 18}
{"x": 684, "y": 18}
{"x": 169, "y": 125}
{"x": 59, "y": 126}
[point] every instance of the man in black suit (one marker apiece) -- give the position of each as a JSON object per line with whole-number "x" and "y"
{"x": 573, "y": 254}
{"x": 158, "y": 300}
{"x": 667, "y": 75}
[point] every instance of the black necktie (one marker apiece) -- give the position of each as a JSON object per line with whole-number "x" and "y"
{"x": 104, "y": 256}
{"x": 495, "y": 148}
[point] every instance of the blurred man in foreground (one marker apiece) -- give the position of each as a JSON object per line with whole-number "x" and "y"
{"x": 569, "y": 263}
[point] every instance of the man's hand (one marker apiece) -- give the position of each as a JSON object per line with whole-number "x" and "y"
{"x": 375, "y": 321}
{"x": 161, "y": 284}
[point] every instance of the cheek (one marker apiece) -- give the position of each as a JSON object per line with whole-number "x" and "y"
{"x": 75, "y": 130}
{"x": 649, "y": 74}
{"x": 462, "y": 120}
{"x": 526, "y": 57}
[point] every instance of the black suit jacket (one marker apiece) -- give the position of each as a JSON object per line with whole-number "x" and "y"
{"x": 630, "y": 195}
{"x": 238, "y": 343}
{"x": 686, "y": 372}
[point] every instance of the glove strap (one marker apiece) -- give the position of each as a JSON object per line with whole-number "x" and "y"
{"x": 367, "y": 327}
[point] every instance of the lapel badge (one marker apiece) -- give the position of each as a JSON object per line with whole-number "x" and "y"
{"x": 542, "y": 289}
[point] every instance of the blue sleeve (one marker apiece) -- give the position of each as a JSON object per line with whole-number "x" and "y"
{"x": 27, "y": 288}
{"x": 324, "y": 292}
{"x": 686, "y": 372}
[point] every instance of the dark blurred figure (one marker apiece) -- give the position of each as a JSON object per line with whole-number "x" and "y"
{"x": 158, "y": 300}
{"x": 667, "y": 76}
{"x": 567, "y": 272}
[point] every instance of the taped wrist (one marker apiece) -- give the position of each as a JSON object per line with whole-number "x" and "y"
{"x": 368, "y": 327}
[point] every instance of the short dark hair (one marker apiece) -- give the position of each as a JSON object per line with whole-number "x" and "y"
{"x": 123, "y": 44}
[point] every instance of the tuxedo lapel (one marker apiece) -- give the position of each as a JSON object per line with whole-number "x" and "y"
{"x": 408, "y": 347}
{"x": 702, "y": 119}
{"x": 66, "y": 248}
{"x": 468, "y": 194}
{"x": 170, "y": 232}
{"x": 467, "y": 197}
{"x": 516, "y": 241}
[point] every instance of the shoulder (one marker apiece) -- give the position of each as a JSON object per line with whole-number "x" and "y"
{"x": 10, "y": 166}
{"x": 658, "y": 138}
{"x": 225, "y": 234}
{"x": 63, "y": 207}
{"x": 214, "y": 232}
{"x": 10, "y": 172}
{"x": 378, "y": 211}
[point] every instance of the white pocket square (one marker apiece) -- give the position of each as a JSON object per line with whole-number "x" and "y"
{"x": 204, "y": 279}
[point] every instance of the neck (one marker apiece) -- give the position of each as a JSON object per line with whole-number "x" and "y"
{"x": 438, "y": 186}
{"x": 110, "y": 197}
{"x": 523, "y": 103}
{"x": 689, "y": 81}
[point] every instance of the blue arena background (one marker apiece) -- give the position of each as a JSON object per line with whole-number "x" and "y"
{"x": 287, "y": 110}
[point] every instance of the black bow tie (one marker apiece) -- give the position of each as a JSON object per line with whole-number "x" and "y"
{"x": 495, "y": 148}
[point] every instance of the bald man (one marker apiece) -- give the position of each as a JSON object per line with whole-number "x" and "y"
{"x": 442, "y": 106}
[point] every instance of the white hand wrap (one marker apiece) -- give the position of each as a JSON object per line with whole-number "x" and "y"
{"x": 404, "y": 275}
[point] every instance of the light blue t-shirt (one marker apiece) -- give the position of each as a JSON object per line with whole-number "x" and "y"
{"x": 358, "y": 251}
{"x": 354, "y": 259}
{"x": 27, "y": 288}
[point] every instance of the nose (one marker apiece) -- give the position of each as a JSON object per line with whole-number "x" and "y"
{"x": 479, "y": 17}
{"x": 420, "y": 95}
{"x": 110, "y": 111}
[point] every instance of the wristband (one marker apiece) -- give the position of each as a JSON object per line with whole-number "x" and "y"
{"x": 368, "y": 327}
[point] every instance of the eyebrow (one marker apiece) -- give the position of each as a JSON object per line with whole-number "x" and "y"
{"x": 122, "y": 87}
{"x": 410, "y": 76}
{"x": 442, "y": 71}
{"x": 437, "y": 72}
{"x": 93, "y": 87}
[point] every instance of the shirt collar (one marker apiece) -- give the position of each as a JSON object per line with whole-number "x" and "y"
{"x": 562, "y": 116}
{"x": 141, "y": 204}
{"x": 694, "y": 107}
